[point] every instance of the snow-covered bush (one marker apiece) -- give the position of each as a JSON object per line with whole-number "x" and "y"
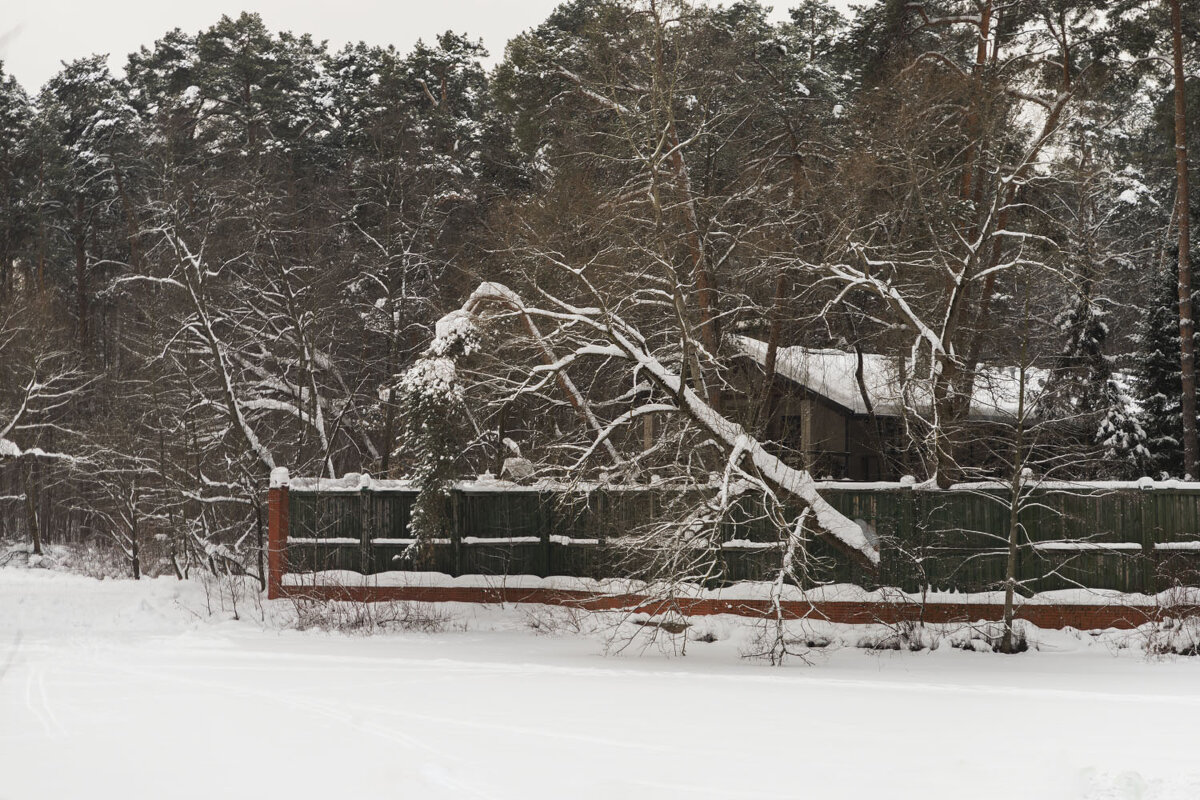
{"x": 1173, "y": 636}
{"x": 988, "y": 637}
{"x": 432, "y": 380}
{"x": 455, "y": 334}
{"x": 431, "y": 424}
{"x": 369, "y": 618}
{"x": 95, "y": 558}
{"x": 904, "y": 635}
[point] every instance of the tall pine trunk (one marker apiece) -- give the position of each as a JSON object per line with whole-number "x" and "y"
{"x": 81, "y": 287}
{"x": 1187, "y": 341}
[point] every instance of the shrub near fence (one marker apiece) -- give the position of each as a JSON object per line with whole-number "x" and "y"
{"x": 1130, "y": 537}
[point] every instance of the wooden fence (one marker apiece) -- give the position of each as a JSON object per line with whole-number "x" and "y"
{"x": 1130, "y": 537}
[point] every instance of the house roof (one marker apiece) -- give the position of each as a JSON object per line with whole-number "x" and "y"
{"x": 831, "y": 374}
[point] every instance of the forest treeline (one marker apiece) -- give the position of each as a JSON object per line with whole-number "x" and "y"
{"x": 233, "y": 254}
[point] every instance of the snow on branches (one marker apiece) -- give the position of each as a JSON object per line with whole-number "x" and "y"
{"x": 621, "y": 346}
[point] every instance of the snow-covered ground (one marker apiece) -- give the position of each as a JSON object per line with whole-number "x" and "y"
{"x": 133, "y": 690}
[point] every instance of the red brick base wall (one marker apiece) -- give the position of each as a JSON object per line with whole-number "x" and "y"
{"x": 1086, "y": 617}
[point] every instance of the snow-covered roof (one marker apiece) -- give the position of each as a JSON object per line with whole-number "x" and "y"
{"x": 831, "y": 374}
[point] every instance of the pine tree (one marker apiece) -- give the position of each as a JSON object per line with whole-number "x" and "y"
{"x": 1076, "y": 387}
{"x": 16, "y": 176}
{"x": 1120, "y": 435}
{"x": 1157, "y": 382}
{"x": 93, "y": 143}
{"x": 1083, "y": 392}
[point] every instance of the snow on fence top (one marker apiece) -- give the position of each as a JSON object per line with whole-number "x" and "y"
{"x": 351, "y": 482}
{"x": 355, "y": 482}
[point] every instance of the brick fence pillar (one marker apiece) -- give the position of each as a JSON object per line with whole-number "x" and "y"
{"x": 277, "y": 532}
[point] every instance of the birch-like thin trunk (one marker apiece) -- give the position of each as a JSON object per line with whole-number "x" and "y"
{"x": 1014, "y": 512}
{"x": 31, "y": 510}
{"x": 135, "y": 547}
{"x": 261, "y": 542}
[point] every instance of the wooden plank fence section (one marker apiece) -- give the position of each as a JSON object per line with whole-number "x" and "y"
{"x": 1128, "y": 539}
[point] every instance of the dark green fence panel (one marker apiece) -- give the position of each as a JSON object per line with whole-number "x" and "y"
{"x": 324, "y": 532}
{"x": 1128, "y": 539}
{"x": 581, "y": 525}
{"x": 1173, "y": 517}
{"x": 305, "y": 556}
{"x": 892, "y": 515}
{"x": 745, "y": 564}
{"x": 583, "y": 560}
{"x": 392, "y": 514}
{"x": 1127, "y": 571}
{"x": 324, "y": 516}
{"x": 389, "y": 541}
{"x": 1173, "y": 527}
{"x": 500, "y": 515}
{"x": 504, "y": 559}
{"x": 430, "y": 558}
{"x": 503, "y": 533}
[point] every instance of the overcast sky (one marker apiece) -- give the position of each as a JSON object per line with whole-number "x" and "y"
{"x": 38, "y": 35}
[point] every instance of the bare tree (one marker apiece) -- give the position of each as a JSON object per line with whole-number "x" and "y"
{"x": 597, "y": 336}
{"x": 40, "y": 382}
{"x": 933, "y": 259}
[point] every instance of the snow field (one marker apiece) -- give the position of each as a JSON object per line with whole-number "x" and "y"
{"x": 132, "y": 689}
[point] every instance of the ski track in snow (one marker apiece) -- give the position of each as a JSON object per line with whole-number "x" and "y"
{"x": 38, "y": 702}
{"x": 119, "y": 689}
